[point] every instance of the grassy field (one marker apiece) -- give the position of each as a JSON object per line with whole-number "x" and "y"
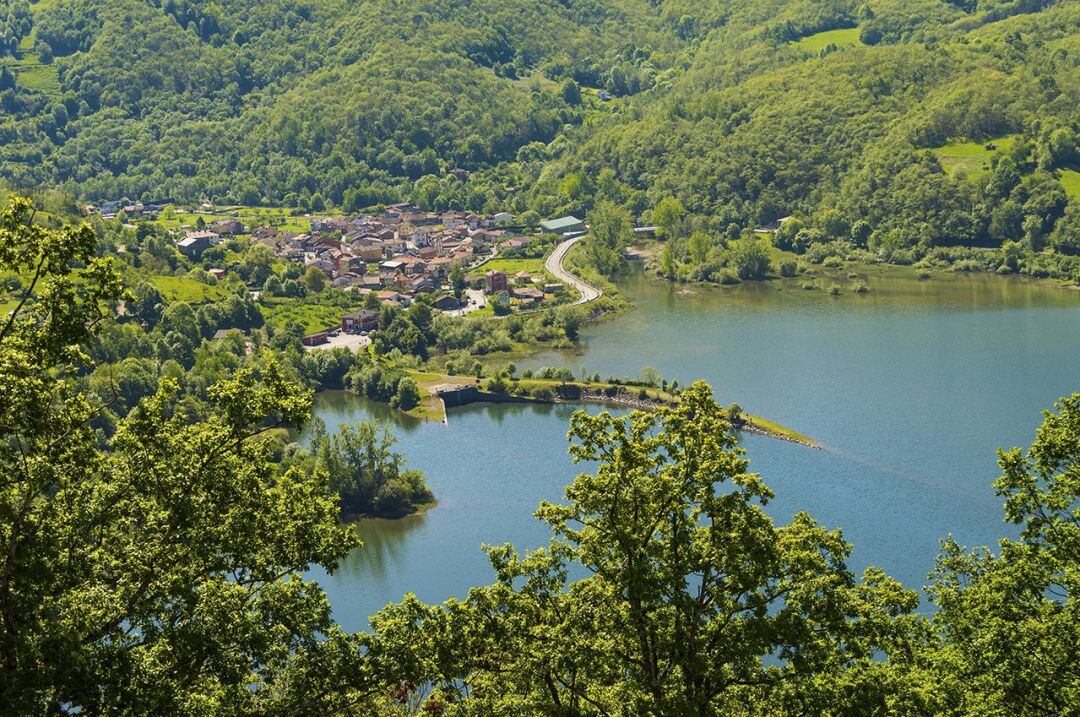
{"x": 313, "y": 317}
{"x": 846, "y": 37}
{"x": 1070, "y": 179}
{"x": 971, "y": 157}
{"x": 513, "y": 266}
{"x": 282, "y": 218}
{"x": 32, "y": 73}
{"x": 181, "y": 288}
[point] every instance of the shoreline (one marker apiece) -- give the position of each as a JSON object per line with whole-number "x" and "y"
{"x": 450, "y": 391}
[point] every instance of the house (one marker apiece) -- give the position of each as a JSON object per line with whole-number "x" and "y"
{"x": 369, "y": 252}
{"x": 515, "y": 243}
{"x": 228, "y": 227}
{"x": 316, "y": 339}
{"x": 421, "y": 285}
{"x": 226, "y": 333}
{"x": 392, "y": 266}
{"x": 522, "y": 277}
{"x": 392, "y": 298}
{"x": 218, "y": 274}
{"x": 360, "y": 320}
{"x": 194, "y": 244}
{"x": 495, "y": 281}
{"x": 527, "y": 294}
{"x": 447, "y": 303}
{"x": 502, "y": 218}
{"x": 210, "y": 236}
{"x": 397, "y": 210}
{"x": 562, "y": 225}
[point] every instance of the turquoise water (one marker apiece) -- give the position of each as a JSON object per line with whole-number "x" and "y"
{"x": 910, "y": 388}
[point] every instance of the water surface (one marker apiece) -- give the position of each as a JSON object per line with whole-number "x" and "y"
{"x": 910, "y": 388}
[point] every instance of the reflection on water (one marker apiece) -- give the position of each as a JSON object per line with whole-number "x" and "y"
{"x": 382, "y": 550}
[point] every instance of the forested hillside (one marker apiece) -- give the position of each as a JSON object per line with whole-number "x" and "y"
{"x": 282, "y": 101}
{"x": 888, "y": 125}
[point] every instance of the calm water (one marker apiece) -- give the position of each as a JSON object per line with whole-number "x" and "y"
{"x": 910, "y": 388}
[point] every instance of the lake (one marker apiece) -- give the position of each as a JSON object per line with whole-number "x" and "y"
{"x": 910, "y": 389}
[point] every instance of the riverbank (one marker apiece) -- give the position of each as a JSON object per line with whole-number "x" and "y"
{"x": 860, "y": 275}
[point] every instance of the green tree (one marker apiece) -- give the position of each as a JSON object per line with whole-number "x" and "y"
{"x": 669, "y": 267}
{"x": 315, "y": 279}
{"x": 407, "y": 395}
{"x": 570, "y": 92}
{"x": 162, "y": 575}
{"x": 668, "y": 216}
{"x": 368, "y": 475}
{"x": 457, "y": 281}
{"x": 750, "y": 258}
{"x": 693, "y": 602}
{"x": 146, "y": 303}
{"x": 1009, "y": 621}
{"x": 610, "y": 230}
{"x": 699, "y": 246}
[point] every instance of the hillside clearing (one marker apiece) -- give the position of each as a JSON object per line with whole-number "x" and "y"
{"x": 844, "y": 37}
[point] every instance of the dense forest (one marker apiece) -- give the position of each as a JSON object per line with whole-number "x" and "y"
{"x": 158, "y": 567}
{"x": 896, "y": 128}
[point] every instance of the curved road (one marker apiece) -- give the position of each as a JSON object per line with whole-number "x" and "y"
{"x": 554, "y": 265}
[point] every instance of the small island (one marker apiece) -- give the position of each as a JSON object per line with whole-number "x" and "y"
{"x": 369, "y": 477}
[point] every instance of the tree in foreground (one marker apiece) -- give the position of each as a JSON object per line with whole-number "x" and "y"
{"x": 162, "y": 575}
{"x": 1009, "y": 622}
{"x": 692, "y": 601}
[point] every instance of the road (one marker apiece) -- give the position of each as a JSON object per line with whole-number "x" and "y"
{"x": 554, "y": 265}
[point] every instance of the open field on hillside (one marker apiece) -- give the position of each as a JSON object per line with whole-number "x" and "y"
{"x": 972, "y": 158}
{"x": 844, "y": 37}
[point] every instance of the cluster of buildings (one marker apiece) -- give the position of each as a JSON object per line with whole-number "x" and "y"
{"x": 136, "y": 210}
{"x": 398, "y": 254}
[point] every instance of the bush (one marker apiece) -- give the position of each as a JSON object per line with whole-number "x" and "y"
{"x": 789, "y": 269}
{"x": 728, "y": 278}
{"x": 808, "y": 285}
{"x": 407, "y": 396}
{"x": 861, "y": 288}
{"x": 750, "y": 259}
{"x": 834, "y": 290}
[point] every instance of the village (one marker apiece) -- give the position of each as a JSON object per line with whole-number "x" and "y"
{"x": 394, "y": 256}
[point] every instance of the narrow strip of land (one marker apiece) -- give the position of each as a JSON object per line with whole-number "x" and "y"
{"x": 438, "y": 391}
{"x": 554, "y": 265}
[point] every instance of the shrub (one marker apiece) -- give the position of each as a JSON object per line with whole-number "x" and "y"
{"x": 728, "y": 278}
{"x": 789, "y": 269}
{"x": 834, "y": 290}
{"x": 861, "y": 288}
